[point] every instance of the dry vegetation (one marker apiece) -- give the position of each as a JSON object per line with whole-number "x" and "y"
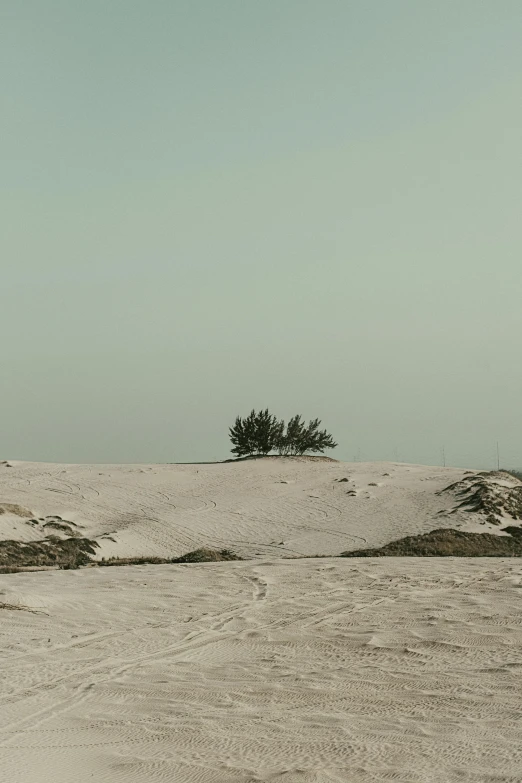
{"x": 197, "y": 556}
{"x": 67, "y": 553}
{"x": 446, "y": 542}
{"x": 494, "y": 494}
{"x": 207, "y": 556}
{"x": 14, "y": 508}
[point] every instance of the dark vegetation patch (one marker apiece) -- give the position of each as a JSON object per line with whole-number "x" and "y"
{"x": 125, "y": 561}
{"x": 207, "y": 556}
{"x": 295, "y": 458}
{"x": 447, "y": 542}
{"x": 63, "y": 527}
{"x": 53, "y": 551}
{"x": 16, "y": 556}
{"x": 197, "y": 556}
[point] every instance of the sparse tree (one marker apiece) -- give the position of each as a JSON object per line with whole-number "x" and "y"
{"x": 267, "y": 432}
{"x": 242, "y": 435}
{"x": 261, "y": 432}
{"x": 316, "y": 440}
{"x": 258, "y": 433}
{"x": 300, "y": 438}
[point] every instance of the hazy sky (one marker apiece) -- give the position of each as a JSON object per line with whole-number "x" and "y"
{"x": 214, "y": 205}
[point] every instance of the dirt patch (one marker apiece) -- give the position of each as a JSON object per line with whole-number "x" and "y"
{"x": 447, "y": 542}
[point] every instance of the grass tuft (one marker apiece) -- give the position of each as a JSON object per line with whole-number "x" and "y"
{"x": 446, "y": 542}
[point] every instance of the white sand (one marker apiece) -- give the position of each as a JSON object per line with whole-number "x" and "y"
{"x": 311, "y": 671}
{"x": 258, "y": 508}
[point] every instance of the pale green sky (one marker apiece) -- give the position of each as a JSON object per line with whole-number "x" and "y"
{"x": 213, "y": 205}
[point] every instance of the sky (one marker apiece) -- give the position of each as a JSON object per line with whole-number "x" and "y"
{"x": 307, "y": 205}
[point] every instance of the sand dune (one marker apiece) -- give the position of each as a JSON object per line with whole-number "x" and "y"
{"x": 311, "y": 671}
{"x": 303, "y": 671}
{"x": 260, "y": 508}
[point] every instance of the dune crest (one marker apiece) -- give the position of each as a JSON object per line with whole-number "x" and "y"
{"x": 257, "y": 508}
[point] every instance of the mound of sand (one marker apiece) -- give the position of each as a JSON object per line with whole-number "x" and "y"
{"x": 258, "y": 508}
{"x": 496, "y": 496}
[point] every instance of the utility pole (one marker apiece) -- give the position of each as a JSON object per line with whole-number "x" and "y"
{"x": 498, "y": 456}
{"x": 444, "y": 456}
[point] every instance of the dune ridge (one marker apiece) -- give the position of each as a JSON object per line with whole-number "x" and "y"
{"x": 257, "y": 508}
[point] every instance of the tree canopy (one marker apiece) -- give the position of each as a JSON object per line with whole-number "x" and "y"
{"x": 261, "y": 433}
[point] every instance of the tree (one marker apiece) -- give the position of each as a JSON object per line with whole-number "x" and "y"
{"x": 258, "y": 433}
{"x": 261, "y": 432}
{"x": 242, "y": 435}
{"x": 267, "y": 432}
{"x": 316, "y": 440}
{"x": 300, "y": 438}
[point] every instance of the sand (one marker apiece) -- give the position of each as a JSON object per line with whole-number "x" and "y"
{"x": 258, "y": 508}
{"x": 398, "y": 670}
{"x": 307, "y": 671}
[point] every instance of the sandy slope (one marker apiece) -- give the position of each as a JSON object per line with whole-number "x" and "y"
{"x": 258, "y": 508}
{"x": 311, "y": 671}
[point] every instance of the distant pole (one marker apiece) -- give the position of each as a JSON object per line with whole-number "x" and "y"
{"x": 396, "y": 452}
{"x": 444, "y": 456}
{"x": 498, "y": 456}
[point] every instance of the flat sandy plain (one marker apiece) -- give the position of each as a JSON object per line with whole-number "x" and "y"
{"x": 300, "y": 671}
{"x": 309, "y": 671}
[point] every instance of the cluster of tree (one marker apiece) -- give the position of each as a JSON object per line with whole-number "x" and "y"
{"x": 261, "y": 432}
